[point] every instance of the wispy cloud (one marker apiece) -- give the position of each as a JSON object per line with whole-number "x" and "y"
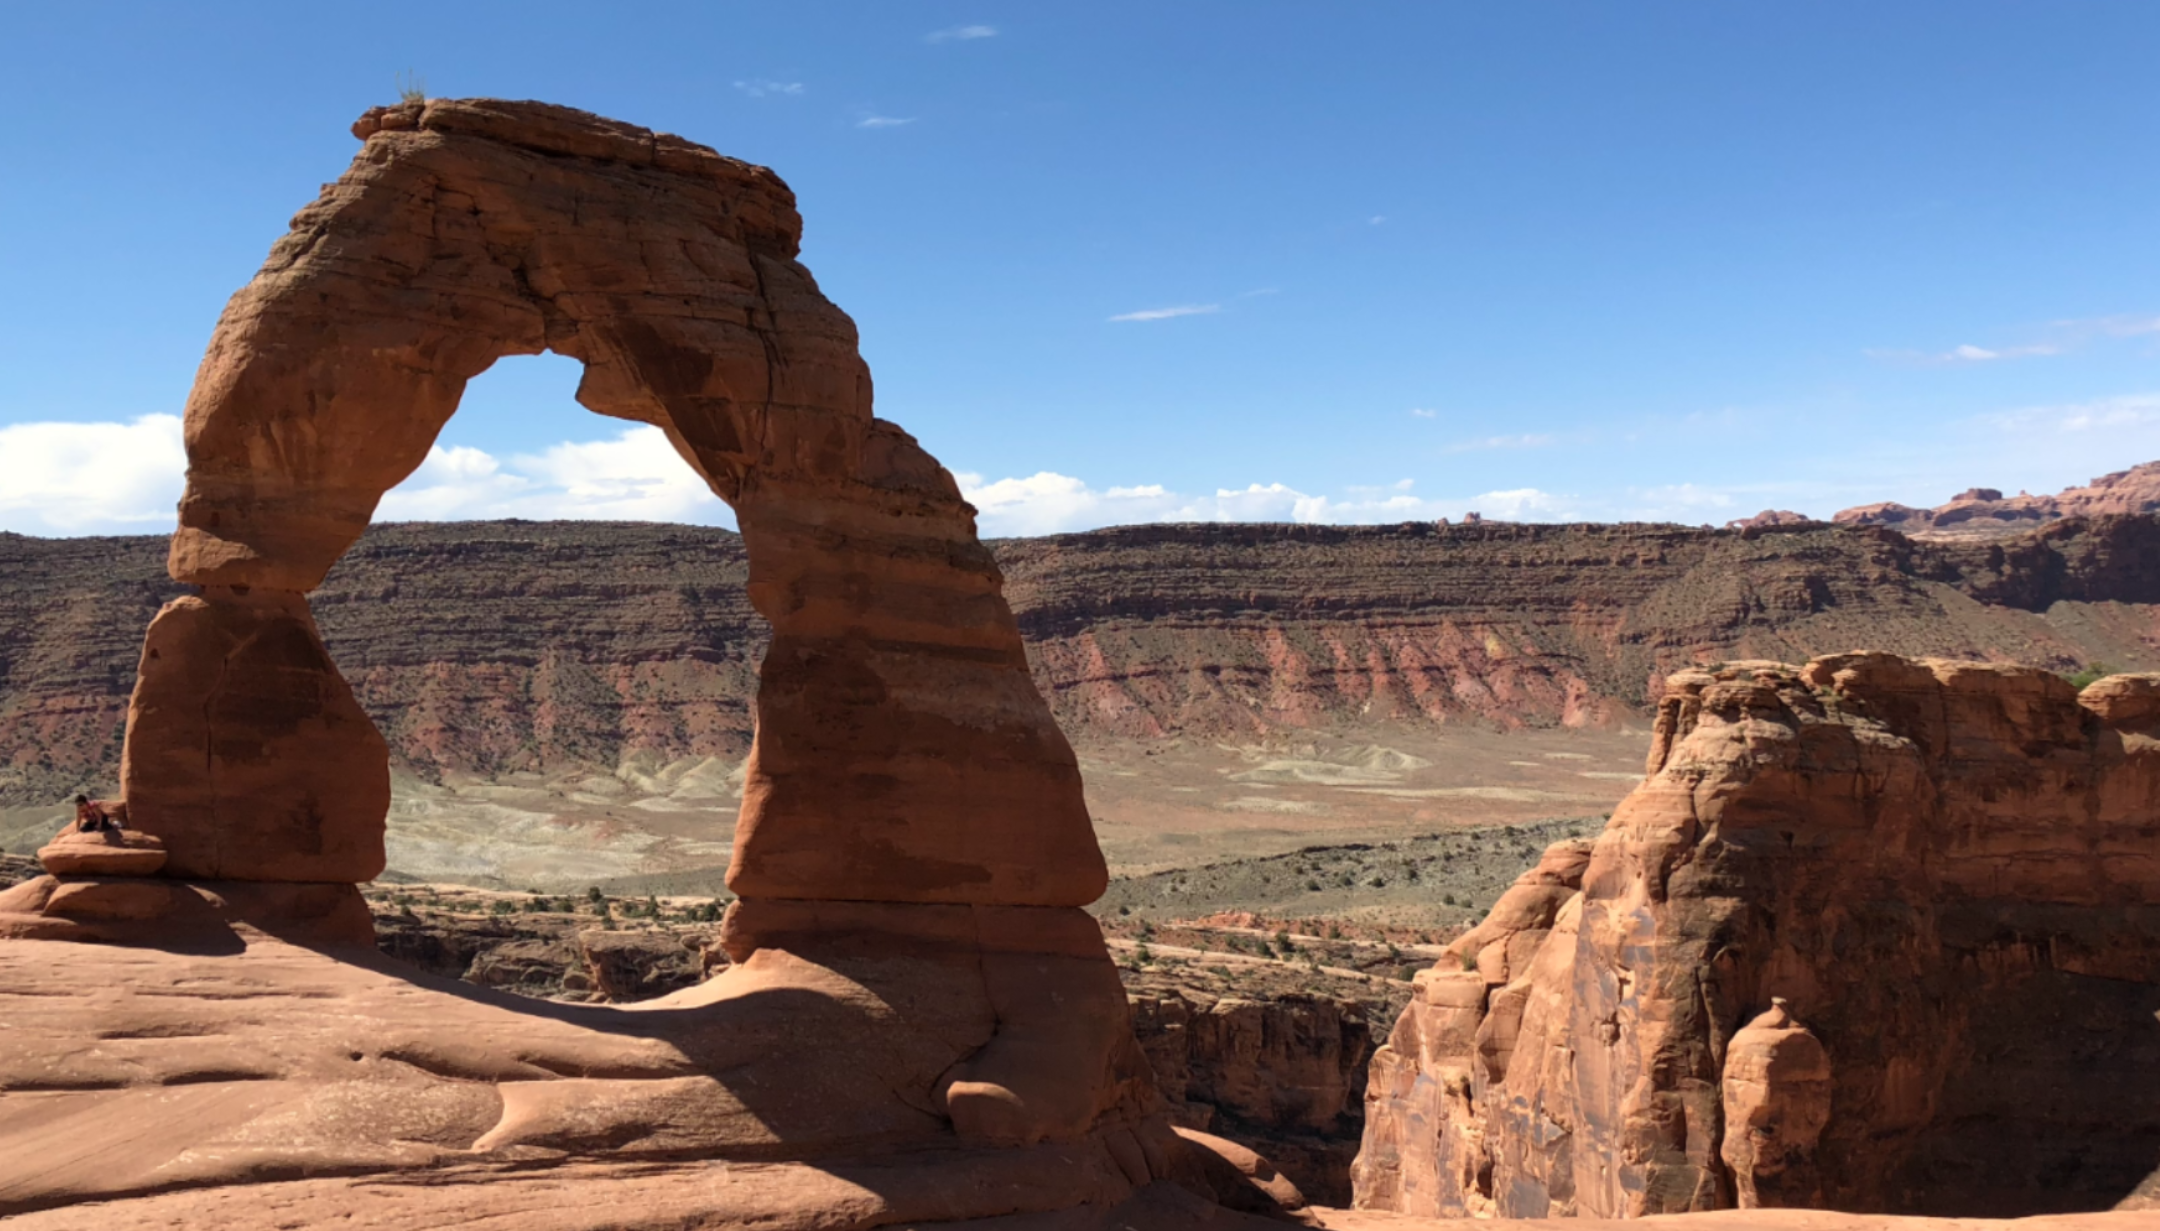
{"x": 2103, "y": 414}
{"x": 2059, "y": 337}
{"x": 1164, "y": 314}
{"x": 1420, "y": 412}
{"x": 1376, "y": 220}
{"x": 1968, "y": 353}
{"x": 1529, "y": 440}
{"x": 762, "y": 88}
{"x": 884, "y": 121}
{"x": 960, "y": 34}
{"x": 2129, "y": 325}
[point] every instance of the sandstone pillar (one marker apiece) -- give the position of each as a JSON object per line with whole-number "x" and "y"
{"x": 1777, "y": 1100}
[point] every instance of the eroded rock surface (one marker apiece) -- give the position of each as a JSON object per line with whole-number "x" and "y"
{"x": 1878, "y": 934}
{"x": 495, "y": 648}
{"x": 1283, "y": 1074}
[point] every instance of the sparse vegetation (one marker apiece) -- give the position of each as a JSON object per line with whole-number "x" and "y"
{"x": 411, "y": 87}
{"x": 2085, "y": 676}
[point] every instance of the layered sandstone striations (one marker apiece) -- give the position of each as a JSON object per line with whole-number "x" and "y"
{"x": 1876, "y": 934}
{"x": 913, "y": 1001}
{"x": 490, "y": 649}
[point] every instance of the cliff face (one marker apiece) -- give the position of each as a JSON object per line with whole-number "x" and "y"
{"x": 1283, "y": 1075}
{"x": 1875, "y": 935}
{"x": 498, "y": 648}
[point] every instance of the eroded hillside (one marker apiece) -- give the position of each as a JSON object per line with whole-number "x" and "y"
{"x": 499, "y": 649}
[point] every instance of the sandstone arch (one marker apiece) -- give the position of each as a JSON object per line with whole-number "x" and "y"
{"x": 902, "y": 752}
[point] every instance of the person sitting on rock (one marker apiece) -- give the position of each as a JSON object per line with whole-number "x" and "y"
{"x": 92, "y": 816}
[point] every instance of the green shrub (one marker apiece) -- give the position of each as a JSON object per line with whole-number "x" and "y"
{"x": 2084, "y": 677}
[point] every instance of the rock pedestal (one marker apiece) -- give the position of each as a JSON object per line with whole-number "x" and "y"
{"x": 1777, "y": 1099}
{"x": 103, "y": 852}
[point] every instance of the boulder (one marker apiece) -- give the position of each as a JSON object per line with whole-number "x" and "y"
{"x": 2124, "y": 702}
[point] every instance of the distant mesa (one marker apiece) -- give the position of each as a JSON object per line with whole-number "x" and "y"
{"x": 1771, "y": 517}
{"x": 1984, "y": 512}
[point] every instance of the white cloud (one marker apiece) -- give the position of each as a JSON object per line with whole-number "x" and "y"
{"x": 126, "y": 478}
{"x": 91, "y": 478}
{"x": 884, "y": 121}
{"x": 960, "y": 34}
{"x": 1050, "y": 503}
{"x": 1376, "y": 220}
{"x": 637, "y": 476}
{"x": 1421, "y": 413}
{"x": 1163, "y": 314}
{"x": 763, "y": 88}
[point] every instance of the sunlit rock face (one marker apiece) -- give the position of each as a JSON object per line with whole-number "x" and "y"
{"x": 903, "y": 753}
{"x": 1875, "y": 934}
{"x": 914, "y": 998}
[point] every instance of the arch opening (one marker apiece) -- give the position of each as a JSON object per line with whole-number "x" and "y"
{"x": 901, "y": 751}
{"x": 518, "y": 445}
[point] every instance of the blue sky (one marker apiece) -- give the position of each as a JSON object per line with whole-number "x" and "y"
{"x": 1118, "y": 262}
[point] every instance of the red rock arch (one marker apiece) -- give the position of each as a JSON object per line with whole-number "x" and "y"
{"x": 902, "y": 753}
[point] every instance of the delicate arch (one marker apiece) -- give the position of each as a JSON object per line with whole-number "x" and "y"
{"x": 902, "y": 752}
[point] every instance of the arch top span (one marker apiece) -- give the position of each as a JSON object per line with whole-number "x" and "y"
{"x": 467, "y": 230}
{"x": 902, "y": 753}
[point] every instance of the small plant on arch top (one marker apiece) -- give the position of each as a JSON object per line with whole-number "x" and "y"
{"x": 411, "y": 87}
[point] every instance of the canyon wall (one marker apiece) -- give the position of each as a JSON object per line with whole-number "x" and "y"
{"x": 493, "y": 648}
{"x": 1875, "y": 935}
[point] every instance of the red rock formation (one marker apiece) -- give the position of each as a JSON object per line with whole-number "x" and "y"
{"x": 1982, "y": 512}
{"x": 246, "y": 753}
{"x": 103, "y": 852}
{"x": 1947, "y": 870}
{"x": 911, "y": 971}
{"x": 1770, "y": 517}
{"x": 1777, "y": 1100}
{"x": 895, "y": 688}
{"x": 1282, "y": 1074}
